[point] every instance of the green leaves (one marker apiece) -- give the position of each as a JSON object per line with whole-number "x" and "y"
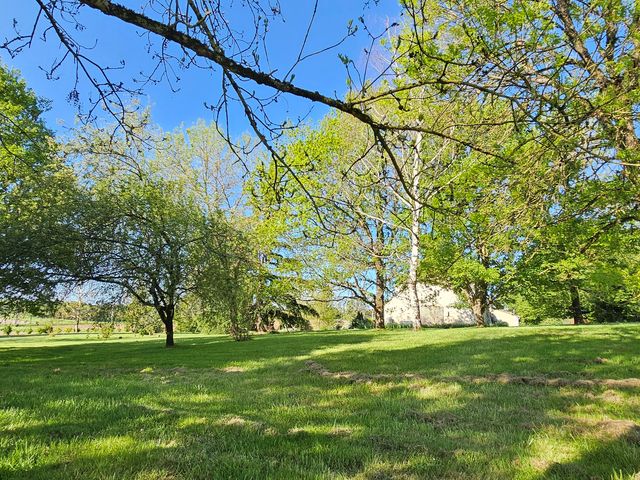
{"x": 36, "y": 192}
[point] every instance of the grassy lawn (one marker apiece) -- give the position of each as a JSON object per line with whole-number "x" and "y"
{"x": 72, "y": 407}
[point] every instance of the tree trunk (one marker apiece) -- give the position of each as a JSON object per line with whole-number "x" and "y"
{"x": 576, "y": 305}
{"x": 378, "y": 265}
{"x": 166, "y": 315}
{"x": 629, "y": 143}
{"x": 477, "y": 297}
{"x": 168, "y": 327}
{"x": 479, "y": 309}
{"x": 378, "y": 306}
{"x": 414, "y": 300}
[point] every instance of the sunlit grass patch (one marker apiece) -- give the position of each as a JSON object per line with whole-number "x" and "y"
{"x": 213, "y": 408}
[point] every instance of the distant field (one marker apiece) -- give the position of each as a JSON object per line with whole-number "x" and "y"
{"x": 32, "y": 325}
{"x": 406, "y": 405}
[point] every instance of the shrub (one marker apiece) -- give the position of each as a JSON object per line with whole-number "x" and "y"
{"x": 360, "y": 321}
{"x": 106, "y": 329}
{"x": 499, "y": 323}
{"x": 612, "y": 310}
{"x": 47, "y": 329}
{"x": 238, "y": 333}
{"x": 7, "y": 329}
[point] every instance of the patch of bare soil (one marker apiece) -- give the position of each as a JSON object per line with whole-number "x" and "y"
{"x": 232, "y": 369}
{"x": 341, "y": 432}
{"x": 611, "y": 397}
{"x": 503, "y": 378}
{"x": 354, "y": 377}
{"x": 236, "y": 421}
{"x": 609, "y": 429}
{"x": 542, "y": 381}
{"x": 619, "y": 429}
{"x": 542, "y": 464}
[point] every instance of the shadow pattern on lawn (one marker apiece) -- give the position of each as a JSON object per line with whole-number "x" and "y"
{"x": 132, "y": 410}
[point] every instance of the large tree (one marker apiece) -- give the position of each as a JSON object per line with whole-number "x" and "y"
{"x": 340, "y": 210}
{"x": 138, "y": 230}
{"x": 480, "y": 211}
{"x": 199, "y": 34}
{"x": 582, "y": 258}
{"x": 474, "y": 231}
{"x": 36, "y": 190}
{"x": 566, "y": 67}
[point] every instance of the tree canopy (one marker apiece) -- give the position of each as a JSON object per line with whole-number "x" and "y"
{"x": 494, "y": 151}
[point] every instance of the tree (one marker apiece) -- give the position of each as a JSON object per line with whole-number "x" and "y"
{"x": 137, "y": 230}
{"x": 202, "y": 37}
{"x": 364, "y": 218}
{"x": 36, "y": 189}
{"x": 424, "y": 162}
{"x": 287, "y": 310}
{"x": 76, "y": 310}
{"x": 594, "y": 284}
{"x": 201, "y": 158}
{"x": 481, "y": 211}
{"x": 580, "y": 264}
{"x": 340, "y": 210}
{"x": 566, "y": 67}
{"x": 472, "y": 234}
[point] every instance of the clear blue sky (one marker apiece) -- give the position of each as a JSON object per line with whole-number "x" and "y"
{"x": 115, "y": 40}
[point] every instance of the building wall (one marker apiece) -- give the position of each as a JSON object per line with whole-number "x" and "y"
{"x": 509, "y": 318}
{"x": 438, "y": 306}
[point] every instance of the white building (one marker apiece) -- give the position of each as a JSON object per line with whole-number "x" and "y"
{"x": 438, "y": 306}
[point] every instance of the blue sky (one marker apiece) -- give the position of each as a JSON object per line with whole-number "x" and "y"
{"x": 115, "y": 40}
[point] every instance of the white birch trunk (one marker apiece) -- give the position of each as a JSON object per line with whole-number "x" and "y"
{"x": 414, "y": 300}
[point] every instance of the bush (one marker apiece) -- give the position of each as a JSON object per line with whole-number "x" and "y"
{"x": 398, "y": 326}
{"x": 7, "y": 329}
{"x": 106, "y": 329}
{"x": 360, "y": 321}
{"x": 614, "y": 311}
{"x": 239, "y": 333}
{"x": 47, "y": 329}
{"x": 499, "y": 323}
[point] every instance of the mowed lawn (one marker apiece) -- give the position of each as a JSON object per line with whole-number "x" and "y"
{"x": 72, "y": 407}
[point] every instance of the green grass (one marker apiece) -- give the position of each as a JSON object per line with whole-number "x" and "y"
{"x": 127, "y": 408}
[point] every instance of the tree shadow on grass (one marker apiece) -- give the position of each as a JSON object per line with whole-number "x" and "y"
{"x": 551, "y": 352}
{"x": 616, "y": 454}
{"x": 197, "y": 352}
{"x": 325, "y": 429}
{"x": 187, "y": 417}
